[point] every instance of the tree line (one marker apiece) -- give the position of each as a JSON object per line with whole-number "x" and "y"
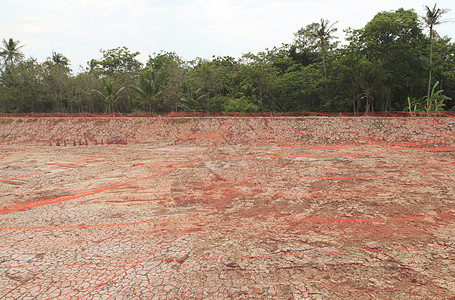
{"x": 397, "y": 61}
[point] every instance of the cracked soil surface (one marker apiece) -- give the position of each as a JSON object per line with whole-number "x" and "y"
{"x": 227, "y": 208}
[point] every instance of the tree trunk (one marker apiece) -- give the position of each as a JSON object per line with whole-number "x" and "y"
{"x": 325, "y": 71}
{"x": 431, "y": 61}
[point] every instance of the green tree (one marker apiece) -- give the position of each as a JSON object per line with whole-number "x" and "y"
{"x": 23, "y": 89}
{"x": 371, "y": 79}
{"x": 395, "y": 40}
{"x": 216, "y": 77}
{"x": 110, "y": 97}
{"x": 444, "y": 67}
{"x": 58, "y": 59}
{"x": 432, "y": 18}
{"x": 115, "y": 61}
{"x": 147, "y": 88}
{"x": 262, "y": 73}
{"x": 194, "y": 99}
{"x": 170, "y": 72}
{"x": 319, "y": 34}
{"x": 344, "y": 90}
{"x": 57, "y": 86}
{"x": 10, "y": 50}
{"x": 82, "y": 98}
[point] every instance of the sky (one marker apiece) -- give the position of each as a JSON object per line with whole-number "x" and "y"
{"x": 79, "y": 29}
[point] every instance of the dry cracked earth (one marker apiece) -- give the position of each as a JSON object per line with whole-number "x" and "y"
{"x": 227, "y": 208}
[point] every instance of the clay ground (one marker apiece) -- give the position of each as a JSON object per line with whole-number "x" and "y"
{"x": 227, "y": 208}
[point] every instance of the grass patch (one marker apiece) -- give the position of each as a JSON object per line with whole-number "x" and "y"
{"x": 179, "y": 121}
{"x": 101, "y": 121}
{"x": 32, "y": 120}
{"x": 6, "y": 121}
{"x": 59, "y": 120}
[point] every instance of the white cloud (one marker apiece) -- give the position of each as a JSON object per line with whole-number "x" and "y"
{"x": 80, "y": 28}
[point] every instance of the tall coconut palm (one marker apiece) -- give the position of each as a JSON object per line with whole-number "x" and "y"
{"x": 58, "y": 59}
{"x": 11, "y": 50}
{"x": 322, "y": 33}
{"x": 432, "y": 18}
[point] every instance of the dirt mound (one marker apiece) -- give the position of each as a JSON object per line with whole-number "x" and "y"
{"x": 229, "y": 130}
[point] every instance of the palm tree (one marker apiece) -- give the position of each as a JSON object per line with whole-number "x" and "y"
{"x": 371, "y": 79}
{"x": 58, "y": 59}
{"x": 321, "y": 33}
{"x": 432, "y": 18}
{"x": 147, "y": 88}
{"x": 11, "y": 50}
{"x": 193, "y": 99}
{"x": 109, "y": 96}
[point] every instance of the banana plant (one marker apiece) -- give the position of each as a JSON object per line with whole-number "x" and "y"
{"x": 436, "y": 99}
{"x": 413, "y": 106}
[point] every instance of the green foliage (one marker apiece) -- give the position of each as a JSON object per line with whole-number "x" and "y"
{"x": 110, "y": 97}
{"x": 397, "y": 41}
{"x": 414, "y": 105}
{"x": 170, "y": 72}
{"x": 10, "y": 51}
{"x": 316, "y": 35}
{"x": 115, "y": 61}
{"x": 194, "y": 99}
{"x": 432, "y": 18}
{"x": 22, "y": 88}
{"x": 436, "y": 99}
{"x": 435, "y": 102}
{"x": 319, "y": 35}
{"x": 371, "y": 79}
{"x": 147, "y": 88}
{"x": 58, "y": 60}
{"x": 218, "y": 103}
{"x": 386, "y": 65}
{"x": 242, "y": 104}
